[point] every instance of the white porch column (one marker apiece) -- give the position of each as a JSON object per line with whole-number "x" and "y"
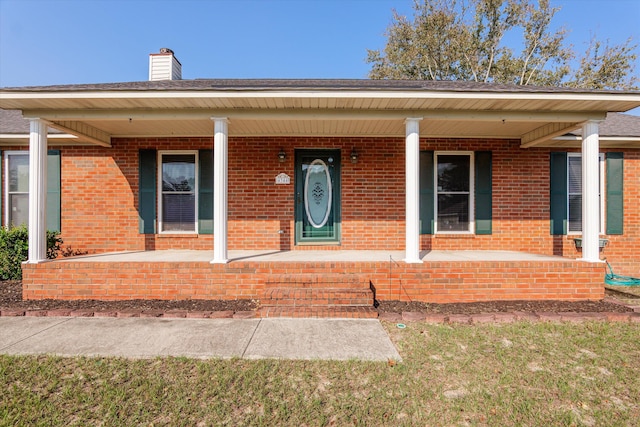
{"x": 37, "y": 191}
{"x": 590, "y": 197}
{"x": 220, "y": 173}
{"x": 412, "y": 188}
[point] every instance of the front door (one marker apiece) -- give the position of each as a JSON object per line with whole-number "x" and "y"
{"x": 317, "y": 205}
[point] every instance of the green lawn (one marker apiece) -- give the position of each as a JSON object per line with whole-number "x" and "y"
{"x": 529, "y": 374}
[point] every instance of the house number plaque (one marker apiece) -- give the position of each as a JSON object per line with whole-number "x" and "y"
{"x": 283, "y": 179}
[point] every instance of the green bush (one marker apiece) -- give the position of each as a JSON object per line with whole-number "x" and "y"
{"x": 14, "y": 250}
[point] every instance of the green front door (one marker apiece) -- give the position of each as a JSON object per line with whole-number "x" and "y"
{"x": 317, "y": 202}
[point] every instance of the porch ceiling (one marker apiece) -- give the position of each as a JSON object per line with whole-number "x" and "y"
{"x": 98, "y": 114}
{"x": 393, "y": 127}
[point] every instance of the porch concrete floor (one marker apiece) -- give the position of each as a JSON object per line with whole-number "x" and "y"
{"x": 310, "y": 256}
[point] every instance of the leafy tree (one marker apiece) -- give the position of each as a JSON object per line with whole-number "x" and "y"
{"x": 464, "y": 40}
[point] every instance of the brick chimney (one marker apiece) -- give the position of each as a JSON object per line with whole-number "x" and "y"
{"x": 164, "y": 66}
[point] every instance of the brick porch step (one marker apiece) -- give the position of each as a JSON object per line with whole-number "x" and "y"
{"x": 316, "y": 281}
{"x": 323, "y": 297}
{"x": 318, "y": 295}
{"x": 320, "y": 312}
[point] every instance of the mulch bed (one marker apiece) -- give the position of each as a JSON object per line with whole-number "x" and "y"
{"x": 504, "y": 307}
{"x": 11, "y": 297}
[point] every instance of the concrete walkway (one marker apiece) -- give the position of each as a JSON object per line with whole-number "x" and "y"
{"x": 139, "y": 338}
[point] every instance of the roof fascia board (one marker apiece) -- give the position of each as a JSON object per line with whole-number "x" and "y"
{"x": 26, "y": 136}
{"x": 312, "y": 114}
{"x": 369, "y": 94}
{"x": 602, "y": 138}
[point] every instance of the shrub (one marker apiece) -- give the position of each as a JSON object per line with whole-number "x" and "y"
{"x": 14, "y": 250}
{"x": 69, "y": 252}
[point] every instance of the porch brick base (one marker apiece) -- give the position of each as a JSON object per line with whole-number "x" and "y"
{"x": 435, "y": 282}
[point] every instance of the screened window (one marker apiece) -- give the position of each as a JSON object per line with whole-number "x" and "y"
{"x": 17, "y": 188}
{"x": 179, "y": 189}
{"x": 454, "y": 192}
{"x": 574, "y": 191}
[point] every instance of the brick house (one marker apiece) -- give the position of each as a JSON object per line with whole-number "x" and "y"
{"x": 330, "y": 191}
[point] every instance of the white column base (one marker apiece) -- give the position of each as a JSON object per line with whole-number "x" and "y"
{"x": 597, "y": 261}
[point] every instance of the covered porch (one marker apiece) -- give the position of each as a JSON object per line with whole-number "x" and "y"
{"x": 406, "y": 175}
{"x": 235, "y": 127}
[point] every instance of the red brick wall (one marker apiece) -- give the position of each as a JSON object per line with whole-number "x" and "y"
{"x": 99, "y": 198}
{"x": 437, "y": 282}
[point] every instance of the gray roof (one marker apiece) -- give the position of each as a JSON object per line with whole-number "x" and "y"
{"x": 305, "y": 84}
{"x": 618, "y": 124}
{"x": 12, "y": 122}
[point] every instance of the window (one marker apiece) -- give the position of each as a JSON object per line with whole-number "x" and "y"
{"x": 17, "y": 188}
{"x": 454, "y": 192}
{"x": 574, "y": 192}
{"x": 15, "y": 200}
{"x": 178, "y": 188}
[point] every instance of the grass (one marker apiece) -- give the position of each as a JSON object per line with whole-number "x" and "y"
{"x": 515, "y": 374}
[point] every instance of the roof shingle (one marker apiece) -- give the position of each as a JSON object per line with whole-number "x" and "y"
{"x": 304, "y": 84}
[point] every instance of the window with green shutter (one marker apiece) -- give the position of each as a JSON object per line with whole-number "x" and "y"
{"x": 449, "y": 191}
{"x": 566, "y": 193}
{"x": 184, "y": 199}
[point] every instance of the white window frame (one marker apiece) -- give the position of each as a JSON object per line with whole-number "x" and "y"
{"x": 472, "y": 222}
{"x": 7, "y": 211}
{"x": 160, "y": 192}
{"x": 601, "y": 193}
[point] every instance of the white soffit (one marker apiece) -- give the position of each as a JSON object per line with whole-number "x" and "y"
{"x": 364, "y": 100}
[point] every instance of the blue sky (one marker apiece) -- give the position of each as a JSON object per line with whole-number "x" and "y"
{"x": 45, "y": 42}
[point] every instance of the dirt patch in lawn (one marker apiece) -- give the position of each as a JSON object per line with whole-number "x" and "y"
{"x": 11, "y": 297}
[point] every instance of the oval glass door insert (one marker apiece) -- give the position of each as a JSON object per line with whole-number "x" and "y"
{"x": 317, "y": 193}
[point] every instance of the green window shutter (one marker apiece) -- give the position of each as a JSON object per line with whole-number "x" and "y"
{"x": 558, "y": 192}
{"x": 426, "y": 192}
{"x": 614, "y": 195}
{"x": 483, "y": 194}
{"x": 147, "y": 160}
{"x": 205, "y": 192}
{"x": 53, "y": 190}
